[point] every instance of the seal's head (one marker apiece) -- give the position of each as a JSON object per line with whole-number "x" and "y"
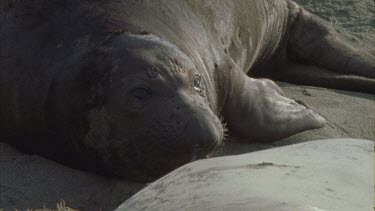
{"x": 155, "y": 110}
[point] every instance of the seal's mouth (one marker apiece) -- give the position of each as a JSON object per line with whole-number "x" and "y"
{"x": 199, "y": 153}
{"x": 196, "y": 149}
{"x": 164, "y": 159}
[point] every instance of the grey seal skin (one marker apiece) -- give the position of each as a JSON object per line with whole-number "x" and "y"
{"x": 138, "y": 88}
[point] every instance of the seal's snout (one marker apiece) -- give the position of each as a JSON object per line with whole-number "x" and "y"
{"x": 203, "y": 134}
{"x": 188, "y": 127}
{"x": 186, "y": 132}
{"x": 201, "y": 130}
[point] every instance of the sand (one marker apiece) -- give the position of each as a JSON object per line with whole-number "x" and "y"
{"x": 355, "y": 19}
{"x": 29, "y": 181}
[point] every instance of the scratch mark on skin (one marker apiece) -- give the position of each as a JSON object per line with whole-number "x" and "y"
{"x": 266, "y": 164}
{"x": 251, "y": 166}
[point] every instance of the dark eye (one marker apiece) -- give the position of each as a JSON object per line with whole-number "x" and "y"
{"x": 141, "y": 93}
{"x": 198, "y": 84}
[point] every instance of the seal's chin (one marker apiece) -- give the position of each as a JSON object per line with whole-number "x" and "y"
{"x": 201, "y": 153}
{"x": 158, "y": 160}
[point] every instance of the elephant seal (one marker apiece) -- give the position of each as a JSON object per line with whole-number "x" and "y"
{"x": 138, "y": 88}
{"x": 307, "y": 176}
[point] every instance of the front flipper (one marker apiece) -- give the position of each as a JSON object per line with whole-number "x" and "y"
{"x": 259, "y": 111}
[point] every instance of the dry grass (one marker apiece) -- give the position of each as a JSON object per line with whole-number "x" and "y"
{"x": 59, "y": 207}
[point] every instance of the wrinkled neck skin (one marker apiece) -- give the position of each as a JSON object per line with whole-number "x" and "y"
{"x": 221, "y": 43}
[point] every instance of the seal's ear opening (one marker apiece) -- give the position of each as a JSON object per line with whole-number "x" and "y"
{"x": 259, "y": 111}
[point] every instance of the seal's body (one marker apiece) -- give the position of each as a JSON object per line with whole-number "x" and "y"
{"x": 138, "y": 88}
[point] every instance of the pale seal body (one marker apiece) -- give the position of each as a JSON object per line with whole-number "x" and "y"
{"x": 254, "y": 181}
{"x": 138, "y": 88}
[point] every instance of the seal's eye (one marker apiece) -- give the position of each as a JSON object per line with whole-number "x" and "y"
{"x": 141, "y": 93}
{"x": 197, "y": 83}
